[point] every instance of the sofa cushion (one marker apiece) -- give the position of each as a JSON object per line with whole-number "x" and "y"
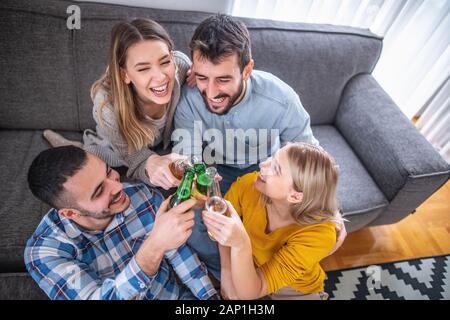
{"x": 37, "y": 82}
{"x": 20, "y": 211}
{"x": 20, "y": 286}
{"x": 358, "y": 194}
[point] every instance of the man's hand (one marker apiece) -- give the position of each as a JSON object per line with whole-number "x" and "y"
{"x": 173, "y": 227}
{"x": 158, "y": 171}
{"x": 341, "y": 234}
{"x": 170, "y": 230}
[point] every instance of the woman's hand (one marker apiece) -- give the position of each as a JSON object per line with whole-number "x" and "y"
{"x": 228, "y": 231}
{"x": 190, "y": 78}
{"x": 158, "y": 171}
{"x": 341, "y": 234}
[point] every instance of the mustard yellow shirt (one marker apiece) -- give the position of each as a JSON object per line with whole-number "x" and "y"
{"x": 288, "y": 256}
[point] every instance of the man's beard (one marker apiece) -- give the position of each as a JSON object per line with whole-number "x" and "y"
{"x": 231, "y": 102}
{"x": 103, "y": 215}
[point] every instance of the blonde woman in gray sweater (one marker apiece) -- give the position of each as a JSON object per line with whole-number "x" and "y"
{"x": 134, "y": 103}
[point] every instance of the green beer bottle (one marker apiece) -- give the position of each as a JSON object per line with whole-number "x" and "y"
{"x": 205, "y": 177}
{"x": 199, "y": 166}
{"x": 184, "y": 189}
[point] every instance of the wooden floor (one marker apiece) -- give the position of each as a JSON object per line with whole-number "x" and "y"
{"x": 422, "y": 234}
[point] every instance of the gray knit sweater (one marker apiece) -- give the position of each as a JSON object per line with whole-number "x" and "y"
{"x": 108, "y": 142}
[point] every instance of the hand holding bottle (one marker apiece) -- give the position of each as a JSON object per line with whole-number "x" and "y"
{"x": 173, "y": 227}
{"x": 177, "y": 222}
{"x": 157, "y": 169}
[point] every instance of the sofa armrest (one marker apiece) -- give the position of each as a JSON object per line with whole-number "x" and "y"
{"x": 402, "y": 162}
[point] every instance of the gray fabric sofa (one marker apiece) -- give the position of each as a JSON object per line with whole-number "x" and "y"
{"x": 387, "y": 169}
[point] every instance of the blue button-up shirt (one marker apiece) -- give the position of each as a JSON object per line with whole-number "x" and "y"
{"x": 69, "y": 262}
{"x": 268, "y": 117}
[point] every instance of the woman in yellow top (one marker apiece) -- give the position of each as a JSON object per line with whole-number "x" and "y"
{"x": 280, "y": 225}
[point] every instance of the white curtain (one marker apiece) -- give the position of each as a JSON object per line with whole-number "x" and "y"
{"x": 434, "y": 123}
{"x": 414, "y": 67}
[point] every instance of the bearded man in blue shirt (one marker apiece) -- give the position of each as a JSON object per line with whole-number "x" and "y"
{"x": 235, "y": 117}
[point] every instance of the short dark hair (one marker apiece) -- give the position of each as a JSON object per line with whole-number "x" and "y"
{"x": 50, "y": 170}
{"x": 220, "y": 36}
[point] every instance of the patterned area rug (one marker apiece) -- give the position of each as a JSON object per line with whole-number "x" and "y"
{"x": 418, "y": 279}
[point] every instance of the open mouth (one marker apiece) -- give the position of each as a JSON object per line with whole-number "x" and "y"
{"x": 160, "y": 91}
{"x": 218, "y": 100}
{"x": 120, "y": 197}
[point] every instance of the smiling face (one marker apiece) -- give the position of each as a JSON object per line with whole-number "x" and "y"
{"x": 221, "y": 84}
{"x": 96, "y": 192}
{"x": 275, "y": 178}
{"x": 150, "y": 69}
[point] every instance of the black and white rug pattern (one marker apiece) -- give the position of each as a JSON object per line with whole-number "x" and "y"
{"x": 418, "y": 279}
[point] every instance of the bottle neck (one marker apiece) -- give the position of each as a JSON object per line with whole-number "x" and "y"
{"x": 205, "y": 178}
{"x": 184, "y": 190}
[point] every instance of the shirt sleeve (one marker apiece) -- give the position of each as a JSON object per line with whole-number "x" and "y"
{"x": 191, "y": 271}
{"x": 108, "y": 129}
{"x": 299, "y": 255}
{"x": 187, "y": 136}
{"x": 188, "y": 267}
{"x": 52, "y": 266}
{"x": 296, "y": 125}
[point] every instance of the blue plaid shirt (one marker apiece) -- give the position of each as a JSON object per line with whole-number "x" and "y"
{"x": 71, "y": 263}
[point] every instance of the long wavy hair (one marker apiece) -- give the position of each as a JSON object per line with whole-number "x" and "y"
{"x": 314, "y": 173}
{"x": 122, "y": 96}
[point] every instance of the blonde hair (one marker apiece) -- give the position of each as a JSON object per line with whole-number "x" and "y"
{"x": 314, "y": 173}
{"x": 121, "y": 96}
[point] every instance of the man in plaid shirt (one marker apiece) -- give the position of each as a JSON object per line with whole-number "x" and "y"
{"x": 105, "y": 240}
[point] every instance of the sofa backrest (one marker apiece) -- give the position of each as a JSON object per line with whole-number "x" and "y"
{"x": 48, "y": 69}
{"x": 36, "y": 64}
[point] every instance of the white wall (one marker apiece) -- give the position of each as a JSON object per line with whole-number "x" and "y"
{"x": 214, "y": 6}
